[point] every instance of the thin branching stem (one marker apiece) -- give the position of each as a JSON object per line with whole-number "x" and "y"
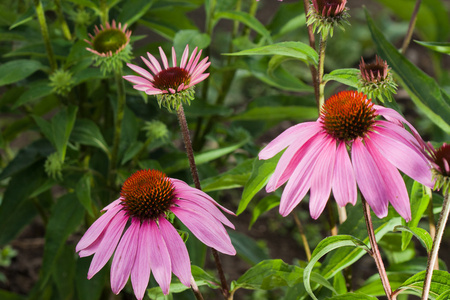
{"x": 412, "y": 24}
{"x": 45, "y": 36}
{"x": 303, "y": 236}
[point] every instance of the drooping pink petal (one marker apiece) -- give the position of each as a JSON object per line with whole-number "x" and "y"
{"x": 198, "y": 79}
{"x": 369, "y": 179}
{"x": 400, "y": 132}
{"x": 321, "y": 178}
{"x": 287, "y": 137}
{"x": 153, "y": 91}
{"x": 97, "y": 228}
{"x": 208, "y": 230}
{"x": 138, "y": 80}
{"x": 159, "y": 258}
{"x": 344, "y": 182}
{"x": 201, "y": 205}
{"x": 108, "y": 245}
{"x": 163, "y": 58}
{"x": 112, "y": 204}
{"x": 300, "y": 181}
{"x": 395, "y": 186}
{"x": 124, "y": 257}
{"x": 92, "y": 248}
{"x": 140, "y": 71}
{"x": 179, "y": 256}
{"x": 184, "y": 57}
{"x": 140, "y": 274}
{"x": 202, "y": 66}
{"x": 403, "y": 157}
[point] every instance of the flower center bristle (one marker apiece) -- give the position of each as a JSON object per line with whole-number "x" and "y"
{"x": 330, "y": 7}
{"x": 147, "y": 194}
{"x": 442, "y": 159}
{"x": 109, "y": 40}
{"x": 171, "y": 78}
{"x": 347, "y": 115}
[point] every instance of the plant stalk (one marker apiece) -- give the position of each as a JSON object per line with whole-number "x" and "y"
{"x": 312, "y": 44}
{"x": 194, "y": 172}
{"x": 303, "y": 237}
{"x": 320, "y": 72}
{"x": 412, "y": 24}
{"x": 195, "y": 290}
{"x": 375, "y": 252}
{"x": 45, "y": 36}
{"x": 64, "y": 27}
{"x": 432, "y": 259}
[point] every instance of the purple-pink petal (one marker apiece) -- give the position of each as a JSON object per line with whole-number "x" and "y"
{"x": 344, "y": 182}
{"x": 191, "y": 59}
{"x": 160, "y": 260}
{"x": 138, "y": 80}
{"x": 140, "y": 274}
{"x": 174, "y": 58}
{"x": 140, "y": 71}
{"x": 163, "y": 58}
{"x": 124, "y": 257}
{"x": 204, "y": 207}
{"x": 184, "y": 57}
{"x": 178, "y": 253}
{"x": 154, "y": 62}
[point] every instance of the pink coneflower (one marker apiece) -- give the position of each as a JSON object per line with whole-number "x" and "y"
{"x": 324, "y": 15}
{"x": 171, "y": 85}
{"x": 317, "y": 157}
{"x": 109, "y": 40}
{"x": 151, "y": 243}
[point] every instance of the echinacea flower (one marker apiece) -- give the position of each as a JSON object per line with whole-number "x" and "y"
{"x": 151, "y": 243}
{"x": 375, "y": 79}
{"x": 317, "y": 159}
{"x": 440, "y": 161}
{"x": 110, "y": 44}
{"x": 172, "y": 85}
{"x": 324, "y": 15}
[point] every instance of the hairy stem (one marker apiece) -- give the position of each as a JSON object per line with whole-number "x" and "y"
{"x": 45, "y": 36}
{"x": 322, "y": 47}
{"x": 195, "y": 290}
{"x": 312, "y": 44}
{"x": 412, "y": 24}
{"x": 432, "y": 259}
{"x": 194, "y": 172}
{"x": 375, "y": 251}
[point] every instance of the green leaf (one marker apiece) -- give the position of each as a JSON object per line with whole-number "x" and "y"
{"x": 442, "y": 47}
{"x": 133, "y": 10}
{"x": 86, "y": 132}
{"x": 83, "y": 192}
{"x": 35, "y": 91}
{"x": 62, "y": 125}
{"x": 271, "y": 113}
{"x": 201, "y": 275}
{"x": 423, "y": 89}
{"x": 66, "y": 216}
{"x": 420, "y": 233}
{"x": 247, "y": 248}
{"x": 440, "y": 283}
{"x": 296, "y": 50}
{"x": 266, "y": 204}
{"x": 246, "y": 19}
{"x": 374, "y": 287}
{"x": 345, "y": 76}
{"x": 193, "y": 38}
{"x": 444, "y": 296}
{"x": 325, "y": 246}
{"x": 63, "y": 276}
{"x": 234, "y": 178}
{"x": 89, "y": 289}
{"x": 352, "y": 296}
{"x": 262, "y": 170}
{"x": 6, "y": 295}
{"x": 17, "y": 70}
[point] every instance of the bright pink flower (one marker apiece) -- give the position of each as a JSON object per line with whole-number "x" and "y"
{"x": 317, "y": 158}
{"x": 169, "y": 80}
{"x": 151, "y": 243}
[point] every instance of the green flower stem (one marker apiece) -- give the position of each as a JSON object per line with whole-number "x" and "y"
{"x": 62, "y": 21}
{"x": 375, "y": 252}
{"x": 412, "y": 24}
{"x": 44, "y": 31}
{"x": 432, "y": 259}
{"x": 322, "y": 47}
{"x": 193, "y": 167}
{"x": 195, "y": 290}
{"x": 104, "y": 11}
{"x": 303, "y": 236}
{"x": 117, "y": 126}
{"x": 312, "y": 44}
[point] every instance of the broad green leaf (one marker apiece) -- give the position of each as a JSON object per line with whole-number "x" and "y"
{"x": 66, "y": 216}
{"x": 440, "y": 283}
{"x": 87, "y": 132}
{"x": 25, "y": 17}
{"x": 442, "y": 47}
{"x": 200, "y": 274}
{"x": 247, "y": 248}
{"x": 133, "y": 10}
{"x": 420, "y": 233}
{"x": 419, "y": 200}
{"x": 89, "y": 289}
{"x": 444, "y": 296}
{"x": 272, "y": 113}
{"x": 324, "y": 247}
{"x": 35, "y": 91}
{"x": 296, "y": 50}
{"x": 245, "y": 19}
{"x": 83, "y": 192}
{"x": 423, "y": 89}
{"x": 266, "y": 204}
{"x": 391, "y": 244}
{"x": 193, "y": 38}
{"x": 345, "y": 76}
{"x": 63, "y": 276}
{"x": 352, "y": 296}
{"x": 17, "y": 209}
{"x": 6, "y": 295}
{"x": 62, "y": 125}
{"x": 234, "y": 178}
{"x": 262, "y": 170}
{"x": 17, "y": 70}
{"x": 374, "y": 287}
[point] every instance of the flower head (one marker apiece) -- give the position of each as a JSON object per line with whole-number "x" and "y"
{"x": 151, "y": 243}
{"x": 111, "y": 46}
{"x": 440, "y": 158}
{"x": 317, "y": 157}
{"x": 375, "y": 79}
{"x": 172, "y": 85}
{"x": 62, "y": 82}
{"x": 324, "y": 15}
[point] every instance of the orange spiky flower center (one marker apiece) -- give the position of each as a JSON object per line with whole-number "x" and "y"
{"x": 109, "y": 40}
{"x": 171, "y": 78}
{"x": 347, "y": 115}
{"x": 147, "y": 194}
